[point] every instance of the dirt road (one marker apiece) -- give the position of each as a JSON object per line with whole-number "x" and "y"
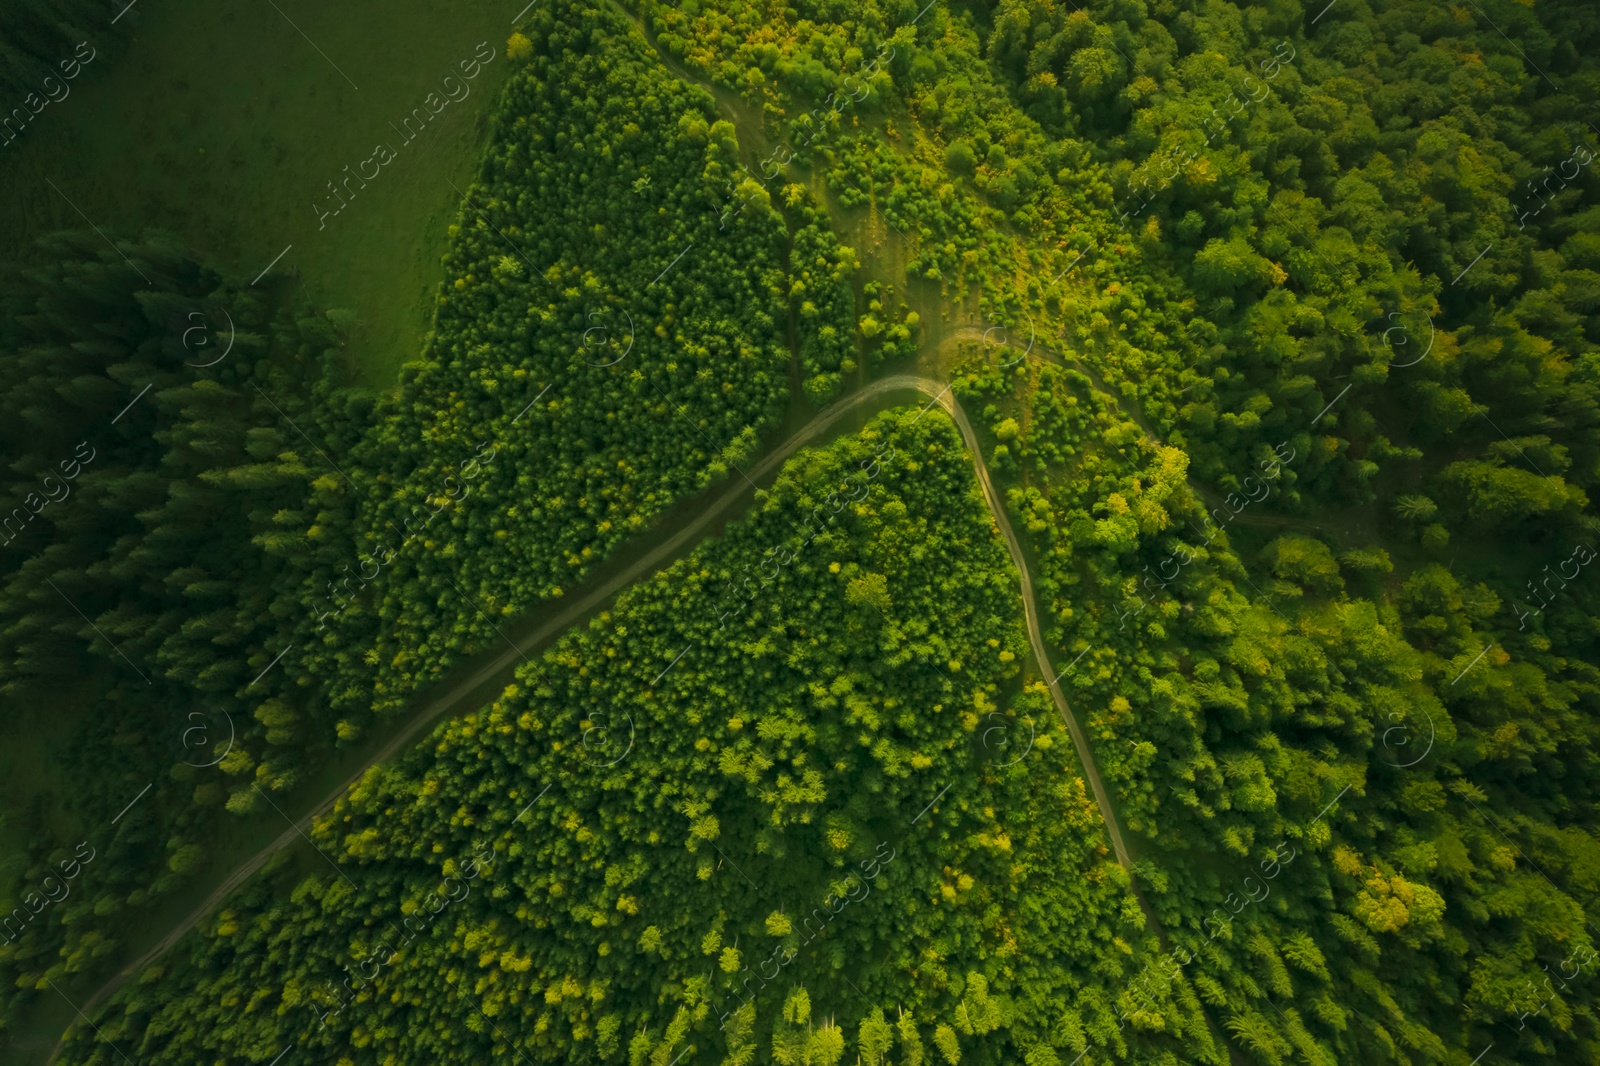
{"x": 455, "y": 699}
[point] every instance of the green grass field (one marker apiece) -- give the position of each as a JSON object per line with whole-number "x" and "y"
{"x": 225, "y": 124}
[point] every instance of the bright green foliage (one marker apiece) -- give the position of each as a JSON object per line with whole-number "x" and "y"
{"x": 604, "y": 345}
{"x": 1379, "y": 777}
{"x": 1303, "y": 561}
{"x": 1236, "y": 222}
{"x": 1357, "y": 281}
{"x": 1497, "y": 495}
{"x": 821, "y": 296}
{"x": 875, "y": 1039}
{"x": 911, "y": 1051}
{"x": 1307, "y": 442}
{"x": 885, "y": 341}
{"x": 812, "y": 710}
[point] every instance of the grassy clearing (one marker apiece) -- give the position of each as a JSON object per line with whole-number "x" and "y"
{"x": 225, "y": 123}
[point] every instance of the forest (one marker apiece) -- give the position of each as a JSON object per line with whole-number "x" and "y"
{"x": 817, "y": 780}
{"x": 157, "y": 486}
{"x": 251, "y": 506}
{"x": 1301, "y": 453}
{"x": 1307, "y": 517}
{"x": 572, "y": 388}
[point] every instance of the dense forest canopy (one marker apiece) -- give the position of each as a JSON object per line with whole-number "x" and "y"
{"x": 153, "y": 508}
{"x": 573, "y": 387}
{"x": 814, "y": 805}
{"x": 1300, "y": 446}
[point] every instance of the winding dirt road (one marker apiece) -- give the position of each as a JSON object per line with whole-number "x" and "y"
{"x": 1091, "y": 772}
{"x": 456, "y": 698}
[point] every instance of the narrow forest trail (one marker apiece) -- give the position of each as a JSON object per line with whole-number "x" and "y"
{"x": 456, "y": 697}
{"x": 946, "y": 399}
